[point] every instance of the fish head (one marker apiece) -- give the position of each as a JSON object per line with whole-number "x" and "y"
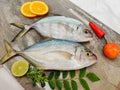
{"x": 85, "y": 55}
{"x": 90, "y": 55}
{"x": 87, "y": 35}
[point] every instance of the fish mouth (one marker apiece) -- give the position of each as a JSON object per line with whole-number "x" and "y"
{"x": 90, "y": 37}
{"x": 93, "y": 60}
{"x": 93, "y": 57}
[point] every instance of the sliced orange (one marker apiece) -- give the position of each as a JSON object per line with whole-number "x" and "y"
{"x": 39, "y": 8}
{"x": 25, "y": 10}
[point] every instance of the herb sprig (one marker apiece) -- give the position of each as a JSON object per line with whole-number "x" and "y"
{"x": 68, "y": 79}
{"x": 37, "y": 76}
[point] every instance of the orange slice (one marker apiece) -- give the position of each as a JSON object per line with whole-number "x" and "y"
{"x": 39, "y": 8}
{"x": 25, "y": 10}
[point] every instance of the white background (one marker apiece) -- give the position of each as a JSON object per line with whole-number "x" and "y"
{"x": 107, "y": 11}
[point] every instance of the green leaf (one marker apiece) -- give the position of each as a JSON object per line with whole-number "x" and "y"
{"x": 74, "y": 85}
{"x": 43, "y": 74}
{"x": 72, "y": 73}
{"x": 51, "y": 75}
{"x": 42, "y": 84}
{"x": 37, "y": 76}
{"x": 84, "y": 84}
{"x": 93, "y": 77}
{"x": 66, "y": 85}
{"x": 59, "y": 85}
{"x": 82, "y": 72}
{"x": 57, "y": 74}
{"x": 64, "y": 74}
{"x": 51, "y": 84}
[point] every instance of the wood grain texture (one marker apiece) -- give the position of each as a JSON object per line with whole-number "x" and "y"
{"x": 107, "y": 70}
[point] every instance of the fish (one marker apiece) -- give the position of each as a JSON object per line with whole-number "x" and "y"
{"x": 58, "y": 27}
{"x": 54, "y": 55}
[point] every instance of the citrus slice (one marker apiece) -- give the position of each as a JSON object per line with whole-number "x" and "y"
{"x": 20, "y": 68}
{"x": 39, "y": 8}
{"x": 25, "y": 10}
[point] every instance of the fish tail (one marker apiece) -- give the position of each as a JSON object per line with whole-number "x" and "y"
{"x": 10, "y": 53}
{"x": 22, "y": 32}
{"x": 21, "y": 26}
{"x": 19, "y": 35}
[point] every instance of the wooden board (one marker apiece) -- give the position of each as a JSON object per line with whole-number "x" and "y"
{"x": 107, "y": 70}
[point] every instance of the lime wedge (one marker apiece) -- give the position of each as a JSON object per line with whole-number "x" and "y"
{"x": 20, "y": 68}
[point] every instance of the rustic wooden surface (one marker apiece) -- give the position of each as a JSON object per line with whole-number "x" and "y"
{"x": 107, "y": 70}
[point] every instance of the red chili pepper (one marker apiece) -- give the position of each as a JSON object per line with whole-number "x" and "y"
{"x": 99, "y": 32}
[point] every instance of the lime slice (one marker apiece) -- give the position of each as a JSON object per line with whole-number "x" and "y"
{"x": 20, "y": 68}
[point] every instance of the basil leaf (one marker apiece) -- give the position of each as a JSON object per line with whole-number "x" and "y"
{"x": 66, "y": 85}
{"x": 84, "y": 84}
{"x": 51, "y": 75}
{"x": 93, "y": 77}
{"x": 64, "y": 74}
{"x": 72, "y": 73}
{"x": 51, "y": 84}
{"x": 82, "y": 73}
{"x": 57, "y": 74}
{"x": 74, "y": 85}
{"x": 59, "y": 85}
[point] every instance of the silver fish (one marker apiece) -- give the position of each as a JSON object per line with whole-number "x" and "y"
{"x": 59, "y": 27}
{"x": 54, "y": 55}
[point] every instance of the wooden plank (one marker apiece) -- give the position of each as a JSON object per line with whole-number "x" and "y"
{"x": 107, "y": 70}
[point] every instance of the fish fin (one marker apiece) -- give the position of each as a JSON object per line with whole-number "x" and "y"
{"x": 20, "y": 34}
{"x": 10, "y": 53}
{"x": 64, "y": 55}
{"x": 21, "y": 26}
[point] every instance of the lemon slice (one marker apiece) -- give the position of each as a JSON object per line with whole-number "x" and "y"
{"x": 20, "y": 68}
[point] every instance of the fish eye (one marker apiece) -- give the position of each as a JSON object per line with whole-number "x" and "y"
{"x": 88, "y": 54}
{"x": 86, "y": 31}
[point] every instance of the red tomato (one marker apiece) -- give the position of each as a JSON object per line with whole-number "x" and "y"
{"x": 111, "y": 50}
